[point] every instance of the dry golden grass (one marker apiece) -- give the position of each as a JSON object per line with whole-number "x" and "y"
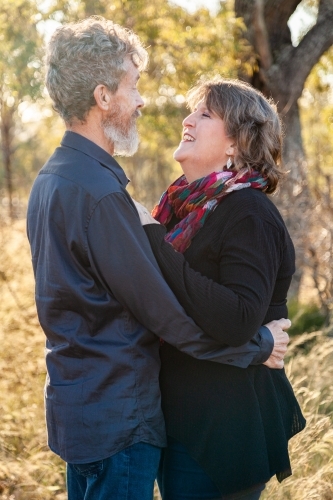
{"x": 312, "y": 450}
{"x": 28, "y": 471}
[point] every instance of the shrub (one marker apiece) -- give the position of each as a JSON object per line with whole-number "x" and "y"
{"x": 305, "y": 318}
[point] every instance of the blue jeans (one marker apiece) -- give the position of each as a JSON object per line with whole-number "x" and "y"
{"x": 127, "y": 475}
{"x": 180, "y": 477}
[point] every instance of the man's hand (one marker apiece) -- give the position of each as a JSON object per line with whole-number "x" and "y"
{"x": 281, "y": 339}
{"x": 144, "y": 214}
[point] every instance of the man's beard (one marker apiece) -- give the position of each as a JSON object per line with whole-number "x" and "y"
{"x": 122, "y": 134}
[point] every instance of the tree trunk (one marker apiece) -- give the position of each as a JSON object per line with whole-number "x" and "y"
{"x": 6, "y": 146}
{"x": 294, "y": 199}
{"x": 280, "y": 72}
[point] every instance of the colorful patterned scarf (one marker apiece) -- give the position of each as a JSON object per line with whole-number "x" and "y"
{"x": 194, "y": 202}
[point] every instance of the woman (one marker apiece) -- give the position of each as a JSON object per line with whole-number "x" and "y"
{"x": 228, "y": 428}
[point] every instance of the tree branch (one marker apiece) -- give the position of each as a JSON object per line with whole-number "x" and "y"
{"x": 300, "y": 60}
{"x": 260, "y": 34}
{"x": 324, "y": 9}
{"x": 276, "y": 14}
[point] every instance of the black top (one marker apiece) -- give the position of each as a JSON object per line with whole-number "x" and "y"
{"x": 99, "y": 296}
{"x": 235, "y": 422}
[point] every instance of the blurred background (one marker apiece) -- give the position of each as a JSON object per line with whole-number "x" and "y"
{"x": 282, "y": 47}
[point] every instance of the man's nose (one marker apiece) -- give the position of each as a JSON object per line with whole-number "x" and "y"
{"x": 140, "y": 102}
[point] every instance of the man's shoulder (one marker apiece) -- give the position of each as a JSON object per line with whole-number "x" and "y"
{"x": 75, "y": 170}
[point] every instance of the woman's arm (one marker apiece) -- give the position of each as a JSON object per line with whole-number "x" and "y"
{"x": 231, "y": 311}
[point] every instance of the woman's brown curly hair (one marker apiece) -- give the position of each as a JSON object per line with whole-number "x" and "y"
{"x": 250, "y": 119}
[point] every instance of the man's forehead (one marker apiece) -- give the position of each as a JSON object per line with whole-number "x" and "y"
{"x": 136, "y": 60}
{"x": 132, "y": 72}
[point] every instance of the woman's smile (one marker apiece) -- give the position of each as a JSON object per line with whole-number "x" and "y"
{"x": 188, "y": 138}
{"x": 205, "y": 146}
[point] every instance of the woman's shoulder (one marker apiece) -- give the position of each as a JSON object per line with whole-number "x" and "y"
{"x": 250, "y": 202}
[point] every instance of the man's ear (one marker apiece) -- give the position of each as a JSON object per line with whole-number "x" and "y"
{"x": 102, "y": 97}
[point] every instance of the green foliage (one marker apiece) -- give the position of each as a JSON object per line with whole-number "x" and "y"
{"x": 20, "y": 78}
{"x": 182, "y": 47}
{"x": 305, "y": 318}
{"x": 20, "y": 64}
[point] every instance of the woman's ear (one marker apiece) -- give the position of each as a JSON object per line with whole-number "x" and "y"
{"x": 102, "y": 97}
{"x": 231, "y": 150}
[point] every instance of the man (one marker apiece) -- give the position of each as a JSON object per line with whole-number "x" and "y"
{"x": 101, "y": 299}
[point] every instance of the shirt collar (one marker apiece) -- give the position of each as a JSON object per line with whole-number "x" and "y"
{"x": 89, "y": 148}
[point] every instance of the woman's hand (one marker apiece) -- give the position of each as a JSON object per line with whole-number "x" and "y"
{"x": 144, "y": 214}
{"x": 281, "y": 339}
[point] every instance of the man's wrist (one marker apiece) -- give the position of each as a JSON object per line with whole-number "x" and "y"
{"x": 266, "y": 343}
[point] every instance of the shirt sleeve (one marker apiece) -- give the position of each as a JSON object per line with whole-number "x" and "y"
{"x": 122, "y": 260}
{"x": 232, "y": 310}
{"x": 266, "y": 342}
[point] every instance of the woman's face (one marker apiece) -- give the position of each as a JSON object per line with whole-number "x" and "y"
{"x": 204, "y": 147}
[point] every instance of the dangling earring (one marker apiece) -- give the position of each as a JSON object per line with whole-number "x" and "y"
{"x": 229, "y": 163}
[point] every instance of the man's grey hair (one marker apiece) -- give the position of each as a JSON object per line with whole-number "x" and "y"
{"x": 85, "y": 54}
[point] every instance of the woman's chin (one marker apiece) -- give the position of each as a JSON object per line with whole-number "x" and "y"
{"x": 179, "y": 155}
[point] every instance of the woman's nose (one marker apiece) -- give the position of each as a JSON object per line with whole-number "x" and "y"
{"x": 189, "y": 121}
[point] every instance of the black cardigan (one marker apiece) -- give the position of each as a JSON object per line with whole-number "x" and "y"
{"x": 235, "y": 422}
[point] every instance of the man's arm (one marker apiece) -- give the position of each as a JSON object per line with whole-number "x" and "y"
{"x": 122, "y": 259}
{"x": 272, "y": 339}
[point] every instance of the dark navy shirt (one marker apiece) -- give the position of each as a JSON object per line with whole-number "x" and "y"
{"x": 103, "y": 305}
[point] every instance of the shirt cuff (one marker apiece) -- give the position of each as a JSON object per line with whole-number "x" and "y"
{"x": 266, "y": 343}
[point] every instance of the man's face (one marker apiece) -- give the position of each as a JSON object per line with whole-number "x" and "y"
{"x": 120, "y": 124}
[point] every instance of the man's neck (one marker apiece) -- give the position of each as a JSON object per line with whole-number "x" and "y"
{"x": 91, "y": 129}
